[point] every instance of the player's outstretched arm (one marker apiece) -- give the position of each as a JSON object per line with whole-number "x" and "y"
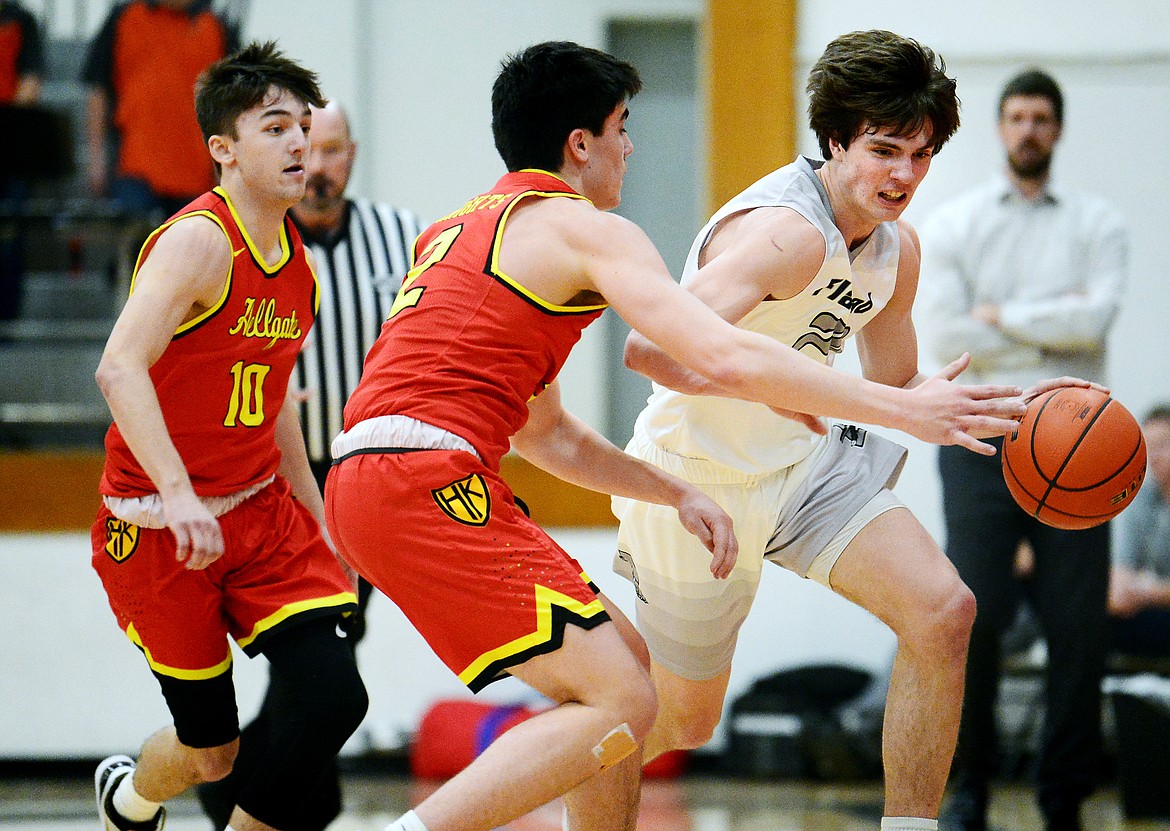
{"x": 888, "y": 348}
{"x": 628, "y": 272}
{"x": 185, "y": 274}
{"x": 558, "y": 442}
{"x": 948, "y": 413}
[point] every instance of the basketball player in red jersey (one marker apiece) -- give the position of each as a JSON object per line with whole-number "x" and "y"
{"x": 210, "y": 523}
{"x": 467, "y": 361}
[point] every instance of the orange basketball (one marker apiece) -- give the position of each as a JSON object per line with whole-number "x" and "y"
{"x": 1076, "y": 460}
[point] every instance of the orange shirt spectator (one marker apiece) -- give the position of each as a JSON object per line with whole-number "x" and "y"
{"x": 22, "y": 60}
{"x": 141, "y": 71}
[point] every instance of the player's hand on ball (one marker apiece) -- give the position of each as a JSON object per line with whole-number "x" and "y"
{"x": 1049, "y": 384}
{"x": 944, "y": 412}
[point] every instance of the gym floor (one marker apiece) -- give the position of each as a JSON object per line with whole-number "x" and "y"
{"x": 690, "y": 803}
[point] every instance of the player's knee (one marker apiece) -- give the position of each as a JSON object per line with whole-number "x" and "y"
{"x": 945, "y": 620}
{"x": 960, "y": 612}
{"x": 639, "y": 705}
{"x": 355, "y": 702}
{"x": 692, "y": 729}
{"x": 336, "y": 708}
{"x": 214, "y": 763}
{"x": 316, "y": 688}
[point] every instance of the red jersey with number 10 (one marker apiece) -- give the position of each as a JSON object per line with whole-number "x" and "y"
{"x": 222, "y": 379}
{"x": 466, "y": 346}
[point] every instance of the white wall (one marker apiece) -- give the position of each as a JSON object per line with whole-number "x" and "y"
{"x": 416, "y": 77}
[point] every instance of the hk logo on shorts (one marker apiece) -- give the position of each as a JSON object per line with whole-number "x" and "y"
{"x": 466, "y": 501}
{"x": 121, "y": 539}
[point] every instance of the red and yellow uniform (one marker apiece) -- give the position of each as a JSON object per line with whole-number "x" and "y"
{"x": 222, "y": 379}
{"x": 220, "y": 383}
{"x": 464, "y": 349}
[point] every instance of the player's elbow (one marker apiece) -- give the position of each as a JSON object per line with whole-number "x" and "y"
{"x": 634, "y": 356}
{"x": 110, "y": 374}
{"x": 726, "y": 370}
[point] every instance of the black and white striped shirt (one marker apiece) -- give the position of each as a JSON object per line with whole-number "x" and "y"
{"x": 360, "y": 271}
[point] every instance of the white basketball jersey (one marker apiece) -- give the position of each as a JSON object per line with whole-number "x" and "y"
{"x": 848, "y": 291}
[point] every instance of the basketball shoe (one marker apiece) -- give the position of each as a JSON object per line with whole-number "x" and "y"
{"x": 109, "y": 774}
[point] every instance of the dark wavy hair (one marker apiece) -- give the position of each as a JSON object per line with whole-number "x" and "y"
{"x": 237, "y": 83}
{"x": 877, "y": 79}
{"x": 547, "y": 91}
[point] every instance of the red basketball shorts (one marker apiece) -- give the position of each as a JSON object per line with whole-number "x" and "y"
{"x": 276, "y": 570}
{"x": 440, "y": 534}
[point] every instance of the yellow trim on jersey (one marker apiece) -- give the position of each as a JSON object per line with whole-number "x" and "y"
{"x": 285, "y": 248}
{"x": 546, "y": 598}
{"x": 285, "y": 612}
{"x": 499, "y": 238}
{"x": 316, "y": 284}
{"x": 175, "y": 672}
{"x": 227, "y": 283}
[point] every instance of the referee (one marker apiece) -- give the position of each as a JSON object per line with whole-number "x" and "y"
{"x": 363, "y": 250}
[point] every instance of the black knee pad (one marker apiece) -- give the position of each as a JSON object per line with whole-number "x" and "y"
{"x": 204, "y": 710}
{"x": 315, "y": 702}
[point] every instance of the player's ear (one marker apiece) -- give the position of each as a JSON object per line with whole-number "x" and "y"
{"x": 577, "y": 146}
{"x": 222, "y": 149}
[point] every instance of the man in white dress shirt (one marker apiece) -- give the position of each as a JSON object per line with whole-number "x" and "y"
{"x": 1026, "y": 278}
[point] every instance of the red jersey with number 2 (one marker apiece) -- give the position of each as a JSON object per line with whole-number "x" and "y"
{"x": 466, "y": 346}
{"x": 222, "y": 379}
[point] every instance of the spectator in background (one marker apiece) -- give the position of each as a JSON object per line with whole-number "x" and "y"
{"x": 1024, "y": 276}
{"x": 22, "y": 64}
{"x": 141, "y": 70}
{"x": 362, "y": 252}
{"x": 22, "y": 58}
{"x": 1139, "y": 585}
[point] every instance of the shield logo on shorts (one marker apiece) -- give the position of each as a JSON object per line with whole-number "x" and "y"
{"x": 466, "y": 501}
{"x": 121, "y": 539}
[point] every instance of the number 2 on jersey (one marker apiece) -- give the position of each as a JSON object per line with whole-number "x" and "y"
{"x": 409, "y": 295}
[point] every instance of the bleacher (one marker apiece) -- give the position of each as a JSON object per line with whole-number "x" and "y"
{"x": 77, "y": 253}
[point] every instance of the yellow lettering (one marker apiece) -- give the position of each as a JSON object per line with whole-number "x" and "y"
{"x": 243, "y": 321}
{"x": 261, "y": 320}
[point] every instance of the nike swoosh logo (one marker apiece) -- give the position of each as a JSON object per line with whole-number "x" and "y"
{"x": 238, "y": 253}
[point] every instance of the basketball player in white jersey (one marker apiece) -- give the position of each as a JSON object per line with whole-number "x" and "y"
{"x": 810, "y": 255}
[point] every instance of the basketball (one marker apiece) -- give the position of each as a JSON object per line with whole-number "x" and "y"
{"x": 1076, "y": 460}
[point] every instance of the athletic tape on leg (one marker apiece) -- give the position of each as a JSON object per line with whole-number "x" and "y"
{"x": 617, "y": 745}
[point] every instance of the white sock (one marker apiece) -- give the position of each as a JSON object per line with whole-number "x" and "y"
{"x": 130, "y": 805}
{"x": 909, "y": 824}
{"x": 407, "y": 822}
